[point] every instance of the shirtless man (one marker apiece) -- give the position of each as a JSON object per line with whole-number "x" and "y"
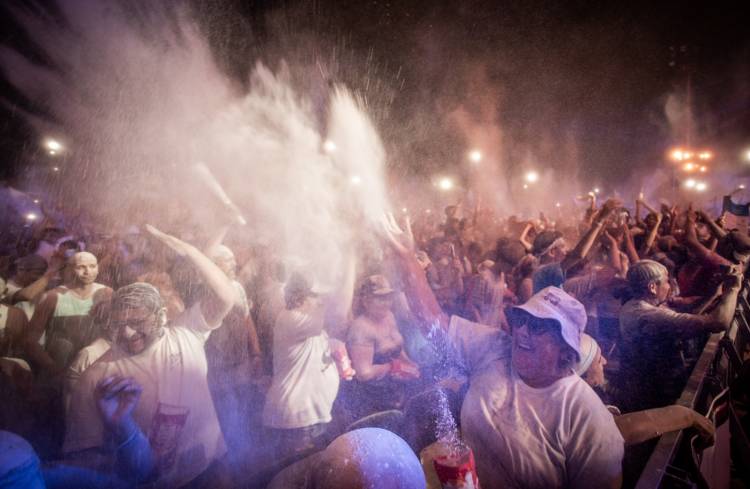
{"x": 63, "y": 315}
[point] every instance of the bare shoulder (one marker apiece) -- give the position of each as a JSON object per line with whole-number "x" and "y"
{"x": 361, "y": 331}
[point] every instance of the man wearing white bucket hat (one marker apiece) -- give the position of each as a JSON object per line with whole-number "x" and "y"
{"x": 529, "y": 419}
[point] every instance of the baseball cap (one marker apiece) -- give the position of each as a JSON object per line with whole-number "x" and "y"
{"x": 555, "y": 303}
{"x": 376, "y": 285}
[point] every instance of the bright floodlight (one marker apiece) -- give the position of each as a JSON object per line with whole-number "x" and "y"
{"x": 525, "y": 186}
{"x": 557, "y": 204}
{"x": 689, "y": 166}
{"x": 54, "y": 168}
{"x": 747, "y": 155}
{"x": 705, "y": 155}
{"x": 690, "y": 183}
{"x": 475, "y": 156}
{"x": 596, "y": 190}
{"x": 356, "y": 180}
{"x": 742, "y": 186}
{"x": 31, "y": 216}
{"x": 36, "y": 201}
{"x": 404, "y": 210}
{"x": 445, "y": 183}
{"x": 329, "y": 146}
{"x": 677, "y": 155}
{"x": 701, "y": 186}
{"x": 703, "y": 169}
{"x": 532, "y": 176}
{"x": 53, "y": 145}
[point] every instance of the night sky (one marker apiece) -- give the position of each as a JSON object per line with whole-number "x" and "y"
{"x": 576, "y": 85}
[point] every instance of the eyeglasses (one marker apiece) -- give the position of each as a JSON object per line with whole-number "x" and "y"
{"x": 535, "y": 326}
{"x": 136, "y": 324}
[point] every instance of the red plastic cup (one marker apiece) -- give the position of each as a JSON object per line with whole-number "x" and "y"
{"x": 457, "y": 470}
{"x": 343, "y": 362}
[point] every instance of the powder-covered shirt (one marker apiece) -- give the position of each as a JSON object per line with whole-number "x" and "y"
{"x": 524, "y": 437}
{"x": 175, "y": 410}
{"x": 305, "y": 378}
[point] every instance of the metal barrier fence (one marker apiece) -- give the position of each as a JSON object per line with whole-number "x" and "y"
{"x": 672, "y": 463}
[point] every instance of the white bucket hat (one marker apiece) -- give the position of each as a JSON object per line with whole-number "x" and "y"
{"x": 555, "y": 303}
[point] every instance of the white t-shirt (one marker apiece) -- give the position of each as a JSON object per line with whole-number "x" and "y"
{"x": 175, "y": 409}
{"x": 305, "y": 379}
{"x": 522, "y": 437}
{"x": 83, "y": 360}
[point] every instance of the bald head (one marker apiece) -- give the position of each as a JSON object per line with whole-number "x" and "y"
{"x": 223, "y": 257}
{"x": 368, "y": 458}
{"x": 84, "y": 268}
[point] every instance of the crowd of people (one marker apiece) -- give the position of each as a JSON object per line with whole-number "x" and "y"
{"x": 553, "y": 348}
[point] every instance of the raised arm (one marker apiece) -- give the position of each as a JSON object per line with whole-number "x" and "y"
{"x": 32, "y": 291}
{"x": 716, "y": 230}
{"x": 223, "y": 294}
{"x": 339, "y": 301}
{"x": 587, "y": 241}
{"x": 524, "y": 237}
{"x": 419, "y": 295}
{"x": 651, "y": 237}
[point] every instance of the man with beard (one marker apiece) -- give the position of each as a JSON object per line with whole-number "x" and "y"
{"x": 176, "y": 410}
{"x": 63, "y": 317}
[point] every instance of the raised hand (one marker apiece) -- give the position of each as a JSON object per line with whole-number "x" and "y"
{"x": 116, "y": 397}
{"x": 402, "y": 241}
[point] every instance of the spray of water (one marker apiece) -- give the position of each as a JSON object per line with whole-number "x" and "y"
{"x": 140, "y": 104}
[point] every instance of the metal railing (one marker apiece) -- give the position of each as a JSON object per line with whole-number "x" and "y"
{"x": 670, "y": 465}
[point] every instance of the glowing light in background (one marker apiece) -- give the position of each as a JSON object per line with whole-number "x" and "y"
{"x": 690, "y": 183}
{"x": 55, "y": 168}
{"x": 596, "y": 190}
{"x": 329, "y": 146}
{"x": 525, "y": 186}
{"x": 532, "y": 177}
{"x": 703, "y": 169}
{"x": 705, "y": 155}
{"x": 701, "y": 186}
{"x": 475, "y": 156}
{"x": 677, "y": 155}
{"x": 404, "y": 210}
{"x": 31, "y": 216}
{"x": 445, "y": 183}
{"x": 356, "y": 180}
{"x": 557, "y": 204}
{"x": 689, "y": 166}
{"x": 747, "y": 155}
{"x": 53, "y": 145}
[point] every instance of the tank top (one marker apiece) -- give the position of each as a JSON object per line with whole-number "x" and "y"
{"x": 71, "y": 328}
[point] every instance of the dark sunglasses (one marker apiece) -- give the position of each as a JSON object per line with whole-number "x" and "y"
{"x": 536, "y": 326}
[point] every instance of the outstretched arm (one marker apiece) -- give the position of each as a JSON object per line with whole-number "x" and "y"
{"x": 587, "y": 241}
{"x": 223, "y": 296}
{"x": 640, "y": 426}
{"x": 419, "y": 295}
